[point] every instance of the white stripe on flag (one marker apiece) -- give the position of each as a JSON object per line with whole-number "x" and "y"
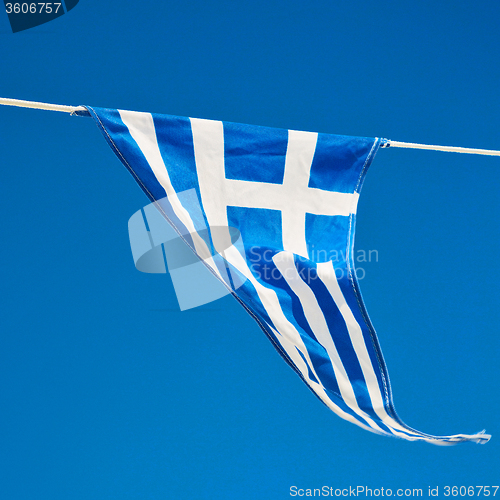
{"x": 286, "y": 265}
{"x": 142, "y": 130}
{"x": 326, "y": 273}
{"x": 299, "y": 157}
{"x": 290, "y": 348}
{"x": 208, "y": 141}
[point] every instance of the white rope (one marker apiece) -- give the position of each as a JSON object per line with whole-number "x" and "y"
{"x": 453, "y": 149}
{"x": 386, "y": 143}
{"x": 40, "y": 105}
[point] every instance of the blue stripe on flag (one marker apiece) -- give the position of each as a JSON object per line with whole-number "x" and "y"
{"x": 326, "y": 238}
{"x": 338, "y": 161}
{"x": 254, "y": 154}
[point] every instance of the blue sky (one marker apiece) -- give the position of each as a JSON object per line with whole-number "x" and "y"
{"x": 107, "y": 389}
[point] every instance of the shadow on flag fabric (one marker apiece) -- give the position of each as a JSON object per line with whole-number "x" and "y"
{"x": 292, "y": 196}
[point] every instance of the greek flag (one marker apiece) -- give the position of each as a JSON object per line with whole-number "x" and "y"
{"x": 292, "y": 196}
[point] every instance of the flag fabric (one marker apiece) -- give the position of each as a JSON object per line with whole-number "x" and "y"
{"x": 292, "y": 196}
